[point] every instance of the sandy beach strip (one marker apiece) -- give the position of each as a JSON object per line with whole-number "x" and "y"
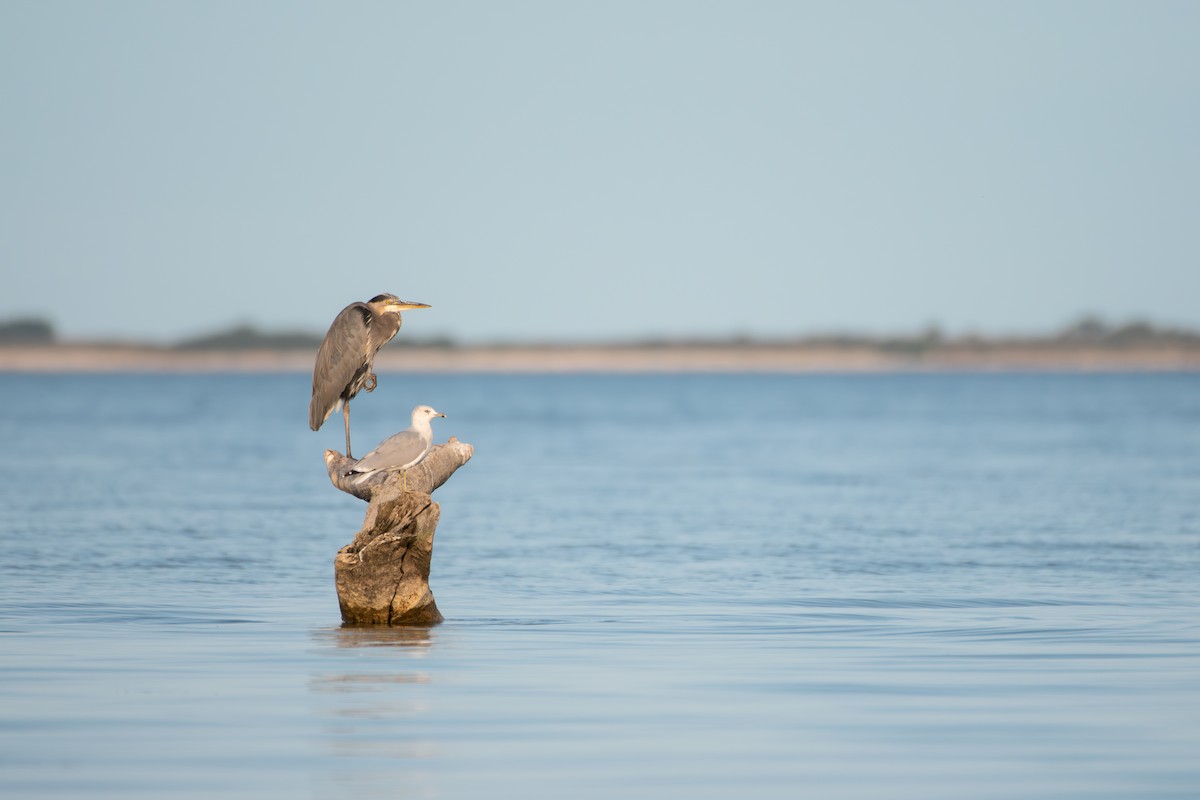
{"x": 70, "y": 358}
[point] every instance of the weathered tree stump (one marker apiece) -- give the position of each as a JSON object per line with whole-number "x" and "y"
{"x": 382, "y": 577}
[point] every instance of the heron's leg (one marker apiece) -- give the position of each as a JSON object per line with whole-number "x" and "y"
{"x": 404, "y": 477}
{"x": 346, "y": 416}
{"x": 371, "y": 383}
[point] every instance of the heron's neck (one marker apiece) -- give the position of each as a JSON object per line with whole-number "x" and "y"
{"x": 388, "y": 325}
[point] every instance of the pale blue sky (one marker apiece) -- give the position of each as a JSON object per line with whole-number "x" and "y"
{"x": 538, "y": 170}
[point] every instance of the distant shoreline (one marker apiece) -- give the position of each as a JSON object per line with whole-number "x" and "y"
{"x": 763, "y": 358}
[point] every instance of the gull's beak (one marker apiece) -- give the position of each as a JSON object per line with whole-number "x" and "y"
{"x": 405, "y": 305}
{"x": 443, "y": 416}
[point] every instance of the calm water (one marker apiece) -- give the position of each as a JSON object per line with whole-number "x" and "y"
{"x": 925, "y": 586}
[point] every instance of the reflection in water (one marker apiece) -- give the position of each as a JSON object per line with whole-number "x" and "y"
{"x": 363, "y": 683}
{"x": 415, "y": 636}
{"x": 376, "y": 715}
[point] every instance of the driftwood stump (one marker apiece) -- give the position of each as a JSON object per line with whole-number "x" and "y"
{"x": 382, "y": 577}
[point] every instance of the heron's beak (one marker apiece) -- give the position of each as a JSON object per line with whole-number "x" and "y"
{"x": 404, "y": 305}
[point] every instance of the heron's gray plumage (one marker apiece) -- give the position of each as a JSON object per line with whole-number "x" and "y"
{"x": 347, "y": 354}
{"x": 341, "y": 362}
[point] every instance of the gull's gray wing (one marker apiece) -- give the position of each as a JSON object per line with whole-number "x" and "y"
{"x": 342, "y": 352}
{"x": 394, "y": 452}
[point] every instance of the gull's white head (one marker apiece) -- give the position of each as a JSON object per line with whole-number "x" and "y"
{"x": 423, "y": 415}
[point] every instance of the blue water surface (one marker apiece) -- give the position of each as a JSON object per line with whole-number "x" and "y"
{"x": 694, "y": 586}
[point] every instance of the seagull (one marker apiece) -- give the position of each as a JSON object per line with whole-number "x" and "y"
{"x": 399, "y": 452}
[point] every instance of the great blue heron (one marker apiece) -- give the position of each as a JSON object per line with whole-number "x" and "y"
{"x": 347, "y": 354}
{"x": 403, "y": 450}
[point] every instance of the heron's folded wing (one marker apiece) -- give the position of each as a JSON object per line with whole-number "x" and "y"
{"x": 394, "y": 452}
{"x": 341, "y": 353}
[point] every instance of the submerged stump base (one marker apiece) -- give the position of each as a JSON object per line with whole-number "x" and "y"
{"x": 382, "y": 577}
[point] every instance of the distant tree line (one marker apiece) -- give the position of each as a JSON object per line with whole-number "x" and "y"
{"x": 248, "y": 337}
{"x": 26, "y": 331}
{"x": 1096, "y": 331}
{"x": 1087, "y": 331}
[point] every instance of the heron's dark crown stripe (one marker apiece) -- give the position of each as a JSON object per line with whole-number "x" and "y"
{"x": 379, "y": 298}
